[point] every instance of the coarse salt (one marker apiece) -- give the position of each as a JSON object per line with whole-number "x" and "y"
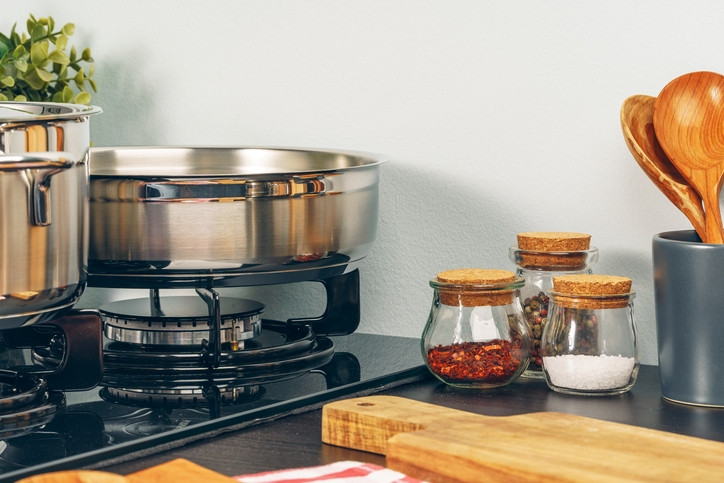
{"x": 589, "y": 373}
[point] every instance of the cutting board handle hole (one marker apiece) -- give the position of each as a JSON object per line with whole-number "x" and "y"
{"x": 365, "y": 404}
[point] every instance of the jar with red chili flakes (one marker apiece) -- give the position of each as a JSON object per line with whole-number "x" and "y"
{"x": 476, "y": 335}
{"x": 539, "y": 257}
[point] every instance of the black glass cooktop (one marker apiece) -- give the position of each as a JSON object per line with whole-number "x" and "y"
{"x": 119, "y": 421}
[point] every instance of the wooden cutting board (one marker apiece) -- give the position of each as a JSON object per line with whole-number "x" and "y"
{"x": 439, "y": 444}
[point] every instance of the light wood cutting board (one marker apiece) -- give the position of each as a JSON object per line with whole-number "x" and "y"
{"x": 434, "y": 443}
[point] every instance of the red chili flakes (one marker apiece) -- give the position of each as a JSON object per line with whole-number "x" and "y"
{"x": 484, "y": 362}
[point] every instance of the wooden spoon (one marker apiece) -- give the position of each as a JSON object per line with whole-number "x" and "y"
{"x": 689, "y": 123}
{"x": 637, "y": 123}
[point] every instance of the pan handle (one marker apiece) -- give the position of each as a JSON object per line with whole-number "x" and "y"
{"x": 38, "y": 171}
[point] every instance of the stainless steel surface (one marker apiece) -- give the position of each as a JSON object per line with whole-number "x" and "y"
{"x": 222, "y": 211}
{"x": 43, "y": 209}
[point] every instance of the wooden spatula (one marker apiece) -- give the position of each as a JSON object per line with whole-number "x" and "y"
{"x": 689, "y": 124}
{"x": 637, "y": 123}
{"x": 435, "y": 443}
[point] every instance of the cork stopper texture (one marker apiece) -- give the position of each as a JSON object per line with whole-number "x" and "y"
{"x": 611, "y": 291}
{"x": 553, "y": 241}
{"x": 475, "y": 296}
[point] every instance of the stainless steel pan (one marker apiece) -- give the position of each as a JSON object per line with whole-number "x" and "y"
{"x": 43, "y": 209}
{"x": 261, "y": 215}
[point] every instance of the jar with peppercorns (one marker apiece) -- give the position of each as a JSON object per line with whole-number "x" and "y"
{"x": 589, "y": 344}
{"x": 539, "y": 257}
{"x": 476, "y": 335}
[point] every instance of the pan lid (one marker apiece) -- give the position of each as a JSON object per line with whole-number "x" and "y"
{"x": 12, "y": 111}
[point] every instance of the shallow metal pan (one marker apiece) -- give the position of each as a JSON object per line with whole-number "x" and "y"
{"x": 268, "y": 215}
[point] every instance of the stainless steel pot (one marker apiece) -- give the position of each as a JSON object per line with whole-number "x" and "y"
{"x": 43, "y": 209}
{"x": 262, "y": 215}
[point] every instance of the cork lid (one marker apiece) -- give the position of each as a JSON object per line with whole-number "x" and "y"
{"x": 554, "y": 250}
{"x": 476, "y": 276}
{"x": 553, "y": 241}
{"x": 592, "y": 291}
{"x": 470, "y": 287}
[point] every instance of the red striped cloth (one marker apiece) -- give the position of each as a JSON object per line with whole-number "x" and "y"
{"x": 341, "y": 471}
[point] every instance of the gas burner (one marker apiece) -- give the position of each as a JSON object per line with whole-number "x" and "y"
{"x": 25, "y": 404}
{"x": 180, "y": 321}
{"x": 176, "y": 376}
{"x": 207, "y": 395}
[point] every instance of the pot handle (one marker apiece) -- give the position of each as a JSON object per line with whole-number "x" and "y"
{"x": 39, "y": 171}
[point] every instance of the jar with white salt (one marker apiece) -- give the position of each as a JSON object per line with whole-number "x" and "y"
{"x": 589, "y": 345}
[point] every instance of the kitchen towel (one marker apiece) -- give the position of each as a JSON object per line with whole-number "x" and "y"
{"x": 339, "y": 472}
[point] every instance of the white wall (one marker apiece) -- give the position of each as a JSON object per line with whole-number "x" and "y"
{"x": 499, "y": 117}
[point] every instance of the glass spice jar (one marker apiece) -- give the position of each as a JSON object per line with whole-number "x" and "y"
{"x": 589, "y": 344}
{"x": 476, "y": 335}
{"x": 539, "y": 257}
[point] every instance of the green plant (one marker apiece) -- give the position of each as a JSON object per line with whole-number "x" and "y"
{"x": 36, "y": 66}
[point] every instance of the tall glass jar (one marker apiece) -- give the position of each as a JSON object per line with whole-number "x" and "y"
{"x": 476, "y": 335}
{"x": 539, "y": 257}
{"x": 589, "y": 345}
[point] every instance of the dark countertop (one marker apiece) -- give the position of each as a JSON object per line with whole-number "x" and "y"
{"x": 294, "y": 441}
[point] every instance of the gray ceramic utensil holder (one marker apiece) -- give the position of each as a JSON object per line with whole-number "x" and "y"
{"x": 688, "y": 295}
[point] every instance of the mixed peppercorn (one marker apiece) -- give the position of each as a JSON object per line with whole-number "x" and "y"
{"x": 536, "y": 314}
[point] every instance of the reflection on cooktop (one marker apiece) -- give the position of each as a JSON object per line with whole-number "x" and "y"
{"x": 114, "y": 423}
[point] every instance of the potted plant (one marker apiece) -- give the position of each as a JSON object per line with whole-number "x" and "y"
{"x": 37, "y": 66}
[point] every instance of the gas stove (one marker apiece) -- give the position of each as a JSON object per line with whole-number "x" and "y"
{"x": 177, "y": 368}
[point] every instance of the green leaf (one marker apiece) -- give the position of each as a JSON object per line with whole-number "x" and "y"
{"x": 8, "y": 81}
{"x": 69, "y": 29}
{"x": 20, "y": 52}
{"x": 59, "y": 57}
{"x": 39, "y": 54}
{"x": 73, "y": 54}
{"x": 86, "y": 55}
{"x": 30, "y": 23}
{"x": 67, "y": 94}
{"x": 93, "y": 85}
{"x": 45, "y": 75}
{"x": 83, "y": 98}
{"x": 4, "y": 46}
{"x": 3, "y": 97}
{"x": 34, "y": 80}
{"x": 61, "y": 42}
{"x": 37, "y": 33}
{"x": 79, "y": 80}
{"x": 21, "y": 65}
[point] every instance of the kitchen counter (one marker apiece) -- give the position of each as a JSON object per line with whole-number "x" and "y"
{"x": 294, "y": 441}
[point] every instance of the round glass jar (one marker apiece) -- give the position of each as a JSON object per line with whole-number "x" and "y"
{"x": 476, "y": 335}
{"x": 589, "y": 343}
{"x": 539, "y": 257}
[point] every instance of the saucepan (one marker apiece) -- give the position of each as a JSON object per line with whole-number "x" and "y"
{"x": 43, "y": 209}
{"x": 255, "y": 214}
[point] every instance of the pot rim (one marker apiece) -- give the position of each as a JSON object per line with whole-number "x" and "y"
{"x": 134, "y": 162}
{"x": 14, "y": 111}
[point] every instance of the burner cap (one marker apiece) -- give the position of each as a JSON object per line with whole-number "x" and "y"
{"x": 179, "y": 320}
